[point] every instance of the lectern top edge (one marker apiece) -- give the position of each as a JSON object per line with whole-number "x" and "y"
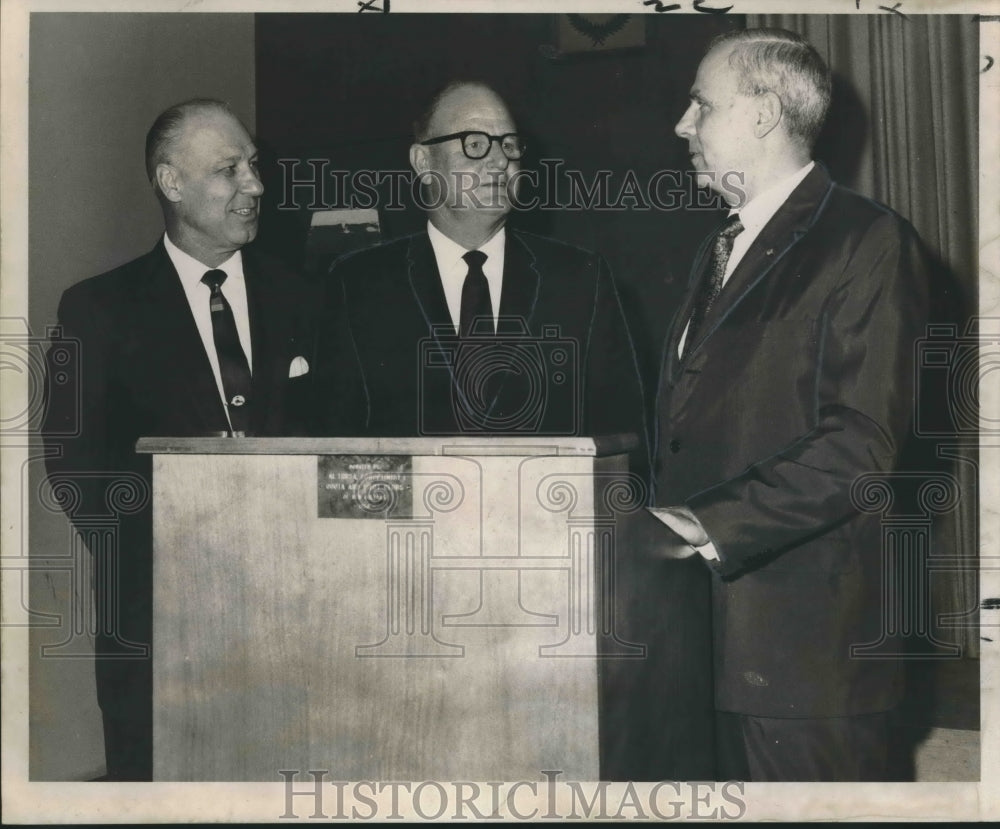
{"x": 513, "y": 445}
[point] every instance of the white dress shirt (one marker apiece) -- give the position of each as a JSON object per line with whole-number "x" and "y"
{"x": 453, "y": 269}
{"x": 754, "y": 215}
{"x": 198, "y": 293}
{"x": 758, "y": 212}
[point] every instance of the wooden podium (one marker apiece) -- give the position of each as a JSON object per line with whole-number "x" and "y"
{"x": 384, "y": 609}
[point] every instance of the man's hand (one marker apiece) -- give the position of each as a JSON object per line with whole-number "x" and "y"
{"x": 690, "y": 536}
{"x": 659, "y": 540}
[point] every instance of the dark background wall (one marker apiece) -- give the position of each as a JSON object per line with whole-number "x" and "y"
{"x": 347, "y": 88}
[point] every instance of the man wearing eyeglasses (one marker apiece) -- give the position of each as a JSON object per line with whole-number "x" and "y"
{"x": 470, "y": 327}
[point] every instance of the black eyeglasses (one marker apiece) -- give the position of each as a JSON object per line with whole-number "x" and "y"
{"x": 477, "y": 145}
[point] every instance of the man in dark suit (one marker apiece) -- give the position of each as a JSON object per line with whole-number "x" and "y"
{"x": 471, "y": 327}
{"x": 413, "y": 347}
{"x": 788, "y": 374}
{"x": 197, "y": 337}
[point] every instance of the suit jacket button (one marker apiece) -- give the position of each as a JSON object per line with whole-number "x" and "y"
{"x": 675, "y": 446}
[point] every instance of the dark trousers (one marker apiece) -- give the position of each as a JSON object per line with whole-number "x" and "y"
{"x": 656, "y": 709}
{"x": 847, "y": 749}
{"x": 125, "y": 694}
{"x": 128, "y": 748}
{"x": 123, "y": 594}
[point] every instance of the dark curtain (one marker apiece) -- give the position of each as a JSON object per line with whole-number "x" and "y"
{"x": 903, "y": 129}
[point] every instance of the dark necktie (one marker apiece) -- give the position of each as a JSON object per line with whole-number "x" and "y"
{"x": 711, "y": 281}
{"x": 233, "y": 363}
{"x": 475, "y": 296}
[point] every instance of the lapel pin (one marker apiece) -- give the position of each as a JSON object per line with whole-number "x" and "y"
{"x": 769, "y": 252}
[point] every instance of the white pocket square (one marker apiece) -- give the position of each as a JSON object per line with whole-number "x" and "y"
{"x": 298, "y": 367}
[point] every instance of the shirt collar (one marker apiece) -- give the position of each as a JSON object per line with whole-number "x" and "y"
{"x": 758, "y": 211}
{"x": 190, "y": 270}
{"x": 449, "y": 251}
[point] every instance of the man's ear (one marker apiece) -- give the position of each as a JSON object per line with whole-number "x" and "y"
{"x": 418, "y": 159}
{"x": 168, "y": 182}
{"x": 769, "y": 112}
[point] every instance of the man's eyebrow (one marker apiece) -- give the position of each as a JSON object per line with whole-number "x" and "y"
{"x": 234, "y": 158}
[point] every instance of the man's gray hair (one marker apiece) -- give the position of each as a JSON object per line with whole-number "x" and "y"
{"x": 782, "y": 62}
{"x": 167, "y": 128}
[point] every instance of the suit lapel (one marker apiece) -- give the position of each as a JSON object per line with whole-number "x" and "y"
{"x": 518, "y": 297}
{"x": 428, "y": 293}
{"x": 169, "y": 319}
{"x": 670, "y": 362}
{"x": 519, "y": 293}
{"x": 265, "y": 341}
{"x": 789, "y": 224}
{"x": 425, "y": 282}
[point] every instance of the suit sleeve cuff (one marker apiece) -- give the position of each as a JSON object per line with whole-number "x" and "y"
{"x": 708, "y": 552}
{"x": 689, "y": 527}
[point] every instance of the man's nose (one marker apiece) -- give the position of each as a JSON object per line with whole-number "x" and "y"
{"x": 496, "y": 157}
{"x": 251, "y": 184}
{"x": 685, "y": 127}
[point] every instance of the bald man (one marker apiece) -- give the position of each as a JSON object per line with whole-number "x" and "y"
{"x": 198, "y": 337}
{"x": 413, "y": 344}
{"x": 401, "y": 312}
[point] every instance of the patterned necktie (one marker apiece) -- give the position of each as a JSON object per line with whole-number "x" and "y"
{"x": 475, "y": 296}
{"x": 711, "y": 281}
{"x": 233, "y": 365}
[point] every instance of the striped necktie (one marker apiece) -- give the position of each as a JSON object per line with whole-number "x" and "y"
{"x": 233, "y": 365}
{"x": 711, "y": 282}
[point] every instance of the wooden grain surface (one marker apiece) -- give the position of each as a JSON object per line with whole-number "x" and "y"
{"x": 470, "y": 446}
{"x": 457, "y": 644}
